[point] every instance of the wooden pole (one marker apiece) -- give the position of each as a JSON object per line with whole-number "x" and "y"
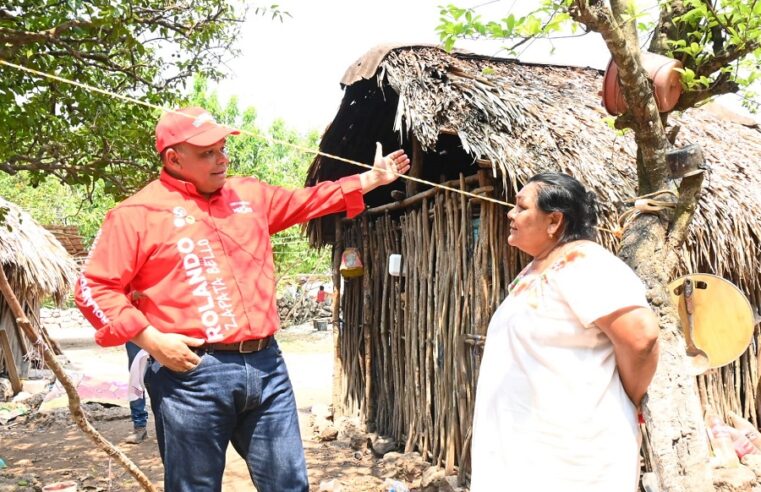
{"x": 75, "y": 407}
{"x": 338, "y": 408}
{"x": 416, "y": 166}
{"x": 10, "y": 364}
{"x": 370, "y": 269}
{"x": 413, "y": 200}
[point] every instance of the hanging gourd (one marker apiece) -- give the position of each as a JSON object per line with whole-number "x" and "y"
{"x": 351, "y": 263}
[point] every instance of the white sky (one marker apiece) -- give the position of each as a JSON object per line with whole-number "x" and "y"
{"x": 292, "y": 69}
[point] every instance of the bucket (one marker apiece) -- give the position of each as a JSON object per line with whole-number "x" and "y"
{"x": 68, "y": 486}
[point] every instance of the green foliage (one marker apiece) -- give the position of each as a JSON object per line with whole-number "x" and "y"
{"x": 713, "y": 34}
{"x": 143, "y": 48}
{"x": 273, "y": 163}
{"x": 719, "y": 43}
{"x": 51, "y": 203}
{"x": 461, "y": 23}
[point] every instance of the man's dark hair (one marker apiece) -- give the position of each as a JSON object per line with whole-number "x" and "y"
{"x": 558, "y": 192}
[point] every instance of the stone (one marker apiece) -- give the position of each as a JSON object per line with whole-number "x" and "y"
{"x": 318, "y": 423}
{"x": 349, "y": 429}
{"x": 360, "y": 443}
{"x": 6, "y": 391}
{"x": 739, "y": 479}
{"x": 22, "y": 396}
{"x": 409, "y": 467}
{"x": 328, "y": 433}
{"x": 330, "y": 486}
{"x": 450, "y": 484}
{"x": 650, "y": 482}
{"x": 432, "y": 476}
{"x": 383, "y": 445}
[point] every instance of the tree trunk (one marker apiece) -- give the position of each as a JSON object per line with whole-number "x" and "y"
{"x": 678, "y": 447}
{"x": 678, "y": 451}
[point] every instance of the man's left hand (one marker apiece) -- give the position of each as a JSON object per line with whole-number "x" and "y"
{"x": 389, "y": 168}
{"x": 385, "y": 169}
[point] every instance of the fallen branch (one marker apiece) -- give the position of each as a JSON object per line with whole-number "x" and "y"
{"x": 75, "y": 406}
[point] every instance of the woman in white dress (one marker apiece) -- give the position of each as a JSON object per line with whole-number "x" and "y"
{"x": 568, "y": 357}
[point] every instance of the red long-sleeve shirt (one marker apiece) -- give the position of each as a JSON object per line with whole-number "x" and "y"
{"x": 203, "y": 267}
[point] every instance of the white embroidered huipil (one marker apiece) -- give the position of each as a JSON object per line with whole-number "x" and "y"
{"x": 551, "y": 413}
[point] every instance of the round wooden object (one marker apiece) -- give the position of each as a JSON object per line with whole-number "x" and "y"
{"x": 722, "y": 317}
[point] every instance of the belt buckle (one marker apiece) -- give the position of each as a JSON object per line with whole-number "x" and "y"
{"x": 242, "y": 351}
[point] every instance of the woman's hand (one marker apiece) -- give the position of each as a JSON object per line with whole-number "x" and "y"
{"x": 634, "y": 333}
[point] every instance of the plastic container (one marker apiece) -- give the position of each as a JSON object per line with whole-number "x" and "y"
{"x": 742, "y": 444}
{"x": 395, "y": 265}
{"x": 748, "y": 429}
{"x": 391, "y": 485}
{"x": 351, "y": 264}
{"x": 721, "y": 441}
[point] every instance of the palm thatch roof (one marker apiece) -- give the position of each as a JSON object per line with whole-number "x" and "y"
{"x": 34, "y": 261}
{"x": 530, "y": 118}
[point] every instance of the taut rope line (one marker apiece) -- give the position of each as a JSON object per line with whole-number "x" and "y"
{"x": 246, "y": 132}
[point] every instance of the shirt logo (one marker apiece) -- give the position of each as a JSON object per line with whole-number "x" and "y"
{"x": 181, "y": 217}
{"x": 241, "y": 207}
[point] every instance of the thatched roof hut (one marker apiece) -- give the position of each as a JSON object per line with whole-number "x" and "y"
{"x": 37, "y": 266}
{"x": 527, "y": 118}
{"x": 459, "y": 113}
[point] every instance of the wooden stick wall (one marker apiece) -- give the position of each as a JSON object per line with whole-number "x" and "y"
{"x": 410, "y": 346}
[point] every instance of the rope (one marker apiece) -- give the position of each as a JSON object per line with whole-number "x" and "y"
{"x": 246, "y": 132}
{"x": 641, "y": 203}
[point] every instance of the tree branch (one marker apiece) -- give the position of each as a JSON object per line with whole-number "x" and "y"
{"x": 717, "y": 62}
{"x": 75, "y": 407}
{"x": 689, "y": 191}
{"x": 667, "y": 28}
{"x": 690, "y": 99}
{"x": 637, "y": 90}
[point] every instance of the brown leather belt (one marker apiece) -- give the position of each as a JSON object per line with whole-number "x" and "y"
{"x": 244, "y": 347}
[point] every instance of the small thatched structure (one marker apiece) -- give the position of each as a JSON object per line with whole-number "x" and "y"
{"x": 408, "y": 350}
{"x": 37, "y": 266}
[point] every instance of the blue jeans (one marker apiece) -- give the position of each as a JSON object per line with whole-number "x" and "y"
{"x": 245, "y": 399}
{"x": 137, "y": 407}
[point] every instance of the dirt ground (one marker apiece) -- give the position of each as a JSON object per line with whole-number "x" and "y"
{"x": 43, "y": 449}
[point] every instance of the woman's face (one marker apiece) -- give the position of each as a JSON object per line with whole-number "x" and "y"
{"x": 530, "y": 227}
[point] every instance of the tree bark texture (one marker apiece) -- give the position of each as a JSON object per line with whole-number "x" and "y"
{"x": 678, "y": 447}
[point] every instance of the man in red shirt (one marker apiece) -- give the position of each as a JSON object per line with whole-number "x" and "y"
{"x": 196, "y": 245}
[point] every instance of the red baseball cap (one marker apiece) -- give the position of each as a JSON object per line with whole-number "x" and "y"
{"x": 192, "y": 125}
